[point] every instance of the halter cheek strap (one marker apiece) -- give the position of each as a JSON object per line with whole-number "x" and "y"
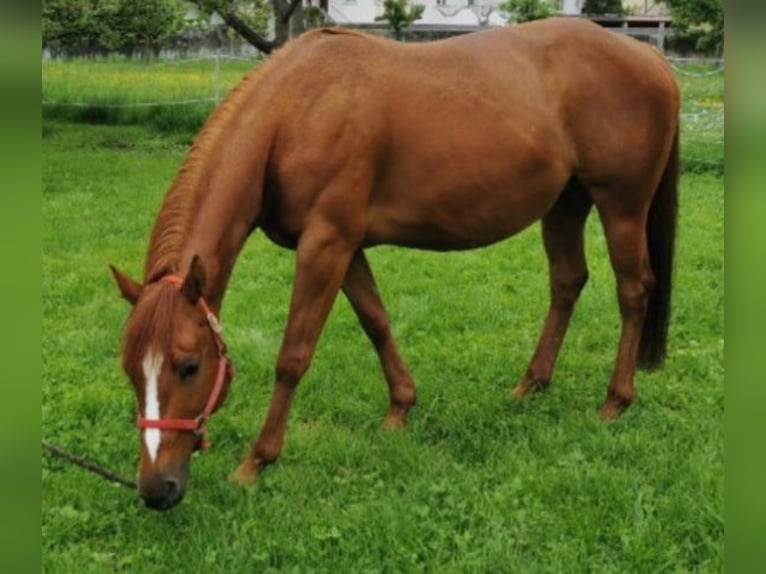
{"x": 224, "y": 374}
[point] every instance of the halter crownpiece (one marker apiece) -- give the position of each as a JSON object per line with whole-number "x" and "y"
{"x": 225, "y": 374}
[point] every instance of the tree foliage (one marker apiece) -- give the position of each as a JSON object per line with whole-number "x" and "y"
{"x": 399, "y": 14}
{"x": 527, "y": 10}
{"x": 603, "y": 7}
{"x": 77, "y": 24}
{"x": 701, "y": 21}
{"x": 128, "y": 25}
{"x": 146, "y": 24}
{"x": 99, "y": 25}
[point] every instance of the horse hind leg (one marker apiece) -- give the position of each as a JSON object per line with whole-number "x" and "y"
{"x": 563, "y": 237}
{"x": 625, "y": 229}
{"x": 361, "y": 291}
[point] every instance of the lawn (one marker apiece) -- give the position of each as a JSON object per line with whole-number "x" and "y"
{"x": 476, "y": 483}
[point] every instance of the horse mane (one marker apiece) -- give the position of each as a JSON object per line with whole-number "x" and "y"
{"x": 189, "y": 188}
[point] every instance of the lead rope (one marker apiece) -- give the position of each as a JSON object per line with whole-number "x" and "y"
{"x": 89, "y": 465}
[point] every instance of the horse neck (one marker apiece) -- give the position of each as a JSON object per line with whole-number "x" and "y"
{"x": 209, "y": 211}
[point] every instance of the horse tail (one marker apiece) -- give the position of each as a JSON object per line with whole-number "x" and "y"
{"x": 660, "y": 233}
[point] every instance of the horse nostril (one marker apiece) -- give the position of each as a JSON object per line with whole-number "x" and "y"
{"x": 166, "y": 495}
{"x": 171, "y": 489}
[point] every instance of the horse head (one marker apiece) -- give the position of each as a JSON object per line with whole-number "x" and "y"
{"x": 176, "y": 360}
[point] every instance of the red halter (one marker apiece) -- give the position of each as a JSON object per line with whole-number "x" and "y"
{"x": 225, "y": 374}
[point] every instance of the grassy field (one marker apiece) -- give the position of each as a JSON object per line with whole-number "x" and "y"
{"x": 168, "y": 95}
{"x": 477, "y": 483}
{"x": 177, "y": 96}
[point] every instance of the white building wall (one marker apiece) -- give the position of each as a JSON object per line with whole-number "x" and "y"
{"x": 571, "y": 6}
{"x": 354, "y": 11}
{"x": 480, "y": 12}
{"x": 436, "y": 12}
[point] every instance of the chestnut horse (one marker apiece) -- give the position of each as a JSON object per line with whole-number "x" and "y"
{"x": 342, "y": 141}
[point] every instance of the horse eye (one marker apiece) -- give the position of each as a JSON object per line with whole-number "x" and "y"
{"x": 188, "y": 369}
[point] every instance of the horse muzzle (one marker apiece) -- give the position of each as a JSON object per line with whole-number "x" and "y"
{"x": 162, "y": 491}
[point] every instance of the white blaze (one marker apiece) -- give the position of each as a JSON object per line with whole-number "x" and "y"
{"x": 151, "y": 364}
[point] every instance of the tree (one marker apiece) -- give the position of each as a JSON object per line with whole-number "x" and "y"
{"x": 100, "y": 25}
{"x": 243, "y": 18}
{"x": 146, "y": 24}
{"x": 79, "y": 25}
{"x": 603, "y": 7}
{"x": 399, "y": 14}
{"x": 528, "y": 10}
{"x": 701, "y": 21}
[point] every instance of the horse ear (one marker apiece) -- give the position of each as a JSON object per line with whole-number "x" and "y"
{"x": 129, "y": 289}
{"x": 194, "y": 282}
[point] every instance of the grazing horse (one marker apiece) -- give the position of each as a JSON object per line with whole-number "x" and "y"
{"x": 342, "y": 141}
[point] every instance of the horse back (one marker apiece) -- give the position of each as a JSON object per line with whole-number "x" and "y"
{"x": 498, "y": 121}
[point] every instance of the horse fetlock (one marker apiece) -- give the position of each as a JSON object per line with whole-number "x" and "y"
{"x": 293, "y": 364}
{"x": 266, "y": 450}
{"x": 404, "y": 396}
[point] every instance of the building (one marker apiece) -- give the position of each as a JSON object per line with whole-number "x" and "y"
{"x": 463, "y": 12}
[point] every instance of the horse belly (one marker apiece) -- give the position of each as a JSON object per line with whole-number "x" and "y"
{"x": 460, "y": 218}
{"x": 458, "y": 180}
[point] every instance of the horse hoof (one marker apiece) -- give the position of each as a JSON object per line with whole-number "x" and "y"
{"x": 247, "y": 473}
{"x": 520, "y": 391}
{"x": 612, "y": 409}
{"x": 394, "y": 421}
{"x": 527, "y": 387}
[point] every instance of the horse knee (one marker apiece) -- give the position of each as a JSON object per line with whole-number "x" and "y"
{"x": 293, "y": 364}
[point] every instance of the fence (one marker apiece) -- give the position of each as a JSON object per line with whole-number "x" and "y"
{"x": 180, "y": 93}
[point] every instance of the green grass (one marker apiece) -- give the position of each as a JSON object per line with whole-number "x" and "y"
{"x": 164, "y": 94}
{"x": 476, "y": 483}
{"x": 702, "y": 119}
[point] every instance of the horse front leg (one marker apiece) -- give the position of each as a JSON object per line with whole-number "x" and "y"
{"x": 361, "y": 291}
{"x": 322, "y": 258}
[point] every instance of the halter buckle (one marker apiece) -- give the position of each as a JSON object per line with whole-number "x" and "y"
{"x": 199, "y": 422}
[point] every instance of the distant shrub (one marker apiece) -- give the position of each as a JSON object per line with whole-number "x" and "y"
{"x": 527, "y": 10}
{"x": 603, "y": 7}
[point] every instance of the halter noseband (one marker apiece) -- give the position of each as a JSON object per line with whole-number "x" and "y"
{"x": 225, "y": 373}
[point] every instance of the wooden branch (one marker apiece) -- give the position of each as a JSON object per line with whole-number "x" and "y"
{"x": 252, "y": 37}
{"x": 285, "y": 15}
{"x": 88, "y": 465}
